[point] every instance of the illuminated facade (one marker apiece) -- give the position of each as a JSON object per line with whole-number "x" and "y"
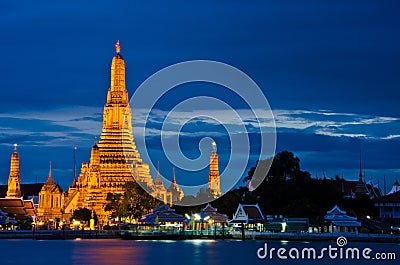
{"x": 115, "y": 159}
{"x": 50, "y": 200}
{"x": 14, "y": 179}
{"x": 213, "y": 175}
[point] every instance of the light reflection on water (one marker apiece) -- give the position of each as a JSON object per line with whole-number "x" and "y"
{"x": 163, "y": 252}
{"x": 109, "y": 252}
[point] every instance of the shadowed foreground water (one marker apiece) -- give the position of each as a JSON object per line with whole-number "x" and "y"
{"x": 115, "y": 251}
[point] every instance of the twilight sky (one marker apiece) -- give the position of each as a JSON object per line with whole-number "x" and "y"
{"x": 329, "y": 69}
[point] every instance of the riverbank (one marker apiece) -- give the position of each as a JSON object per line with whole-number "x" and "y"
{"x": 328, "y": 237}
{"x": 189, "y": 235}
{"x": 58, "y": 234}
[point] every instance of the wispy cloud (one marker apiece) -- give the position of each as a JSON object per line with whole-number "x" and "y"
{"x": 321, "y": 122}
{"x": 56, "y": 127}
{"x": 77, "y": 124}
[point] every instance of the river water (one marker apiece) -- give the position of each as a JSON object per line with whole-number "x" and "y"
{"x": 202, "y": 252}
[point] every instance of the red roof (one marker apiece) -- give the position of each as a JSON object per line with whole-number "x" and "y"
{"x": 393, "y": 197}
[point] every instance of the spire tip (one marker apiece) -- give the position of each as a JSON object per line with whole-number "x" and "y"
{"x": 117, "y": 47}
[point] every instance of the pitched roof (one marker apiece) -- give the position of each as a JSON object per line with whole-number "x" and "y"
{"x": 163, "y": 213}
{"x": 336, "y": 211}
{"x": 253, "y": 212}
{"x": 392, "y": 197}
{"x": 212, "y": 213}
{"x": 16, "y": 206}
{"x": 340, "y": 218}
{"x": 209, "y": 208}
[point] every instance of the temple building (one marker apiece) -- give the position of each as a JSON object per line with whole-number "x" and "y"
{"x": 14, "y": 179}
{"x": 337, "y": 221}
{"x": 50, "y": 200}
{"x": 159, "y": 190}
{"x": 213, "y": 175}
{"x": 351, "y": 188}
{"x": 361, "y": 187}
{"x": 176, "y": 192}
{"x": 14, "y": 188}
{"x": 114, "y": 160}
{"x": 389, "y": 204}
{"x": 14, "y": 200}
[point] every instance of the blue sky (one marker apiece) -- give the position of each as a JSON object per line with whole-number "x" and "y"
{"x": 330, "y": 71}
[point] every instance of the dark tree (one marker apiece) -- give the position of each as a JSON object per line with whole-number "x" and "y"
{"x": 83, "y": 214}
{"x": 133, "y": 203}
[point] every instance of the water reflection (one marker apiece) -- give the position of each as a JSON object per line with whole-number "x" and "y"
{"x": 193, "y": 252}
{"x": 110, "y": 252}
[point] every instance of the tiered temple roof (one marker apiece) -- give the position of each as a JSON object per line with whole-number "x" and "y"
{"x": 339, "y": 218}
{"x": 162, "y": 214}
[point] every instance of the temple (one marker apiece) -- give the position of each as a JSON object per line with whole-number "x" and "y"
{"x": 176, "y": 192}
{"x": 361, "y": 186}
{"x": 14, "y": 180}
{"x": 50, "y": 199}
{"x": 114, "y": 160}
{"x": 213, "y": 175}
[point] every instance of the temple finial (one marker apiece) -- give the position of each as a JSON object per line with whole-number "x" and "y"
{"x": 214, "y": 147}
{"x": 15, "y": 147}
{"x": 117, "y": 47}
{"x": 173, "y": 175}
{"x": 50, "y": 178}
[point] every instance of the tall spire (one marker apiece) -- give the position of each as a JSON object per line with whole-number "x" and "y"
{"x": 158, "y": 178}
{"x": 74, "y": 181}
{"x": 173, "y": 175}
{"x": 360, "y": 186}
{"x": 213, "y": 175}
{"x": 14, "y": 179}
{"x": 50, "y": 178}
{"x": 118, "y": 72}
{"x": 176, "y": 192}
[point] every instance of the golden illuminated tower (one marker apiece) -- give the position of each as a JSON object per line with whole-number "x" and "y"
{"x": 119, "y": 160}
{"x": 115, "y": 159}
{"x": 213, "y": 175}
{"x": 50, "y": 199}
{"x": 14, "y": 180}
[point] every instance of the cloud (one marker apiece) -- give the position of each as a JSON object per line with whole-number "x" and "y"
{"x": 63, "y": 126}
{"x": 317, "y": 122}
{"x": 391, "y": 136}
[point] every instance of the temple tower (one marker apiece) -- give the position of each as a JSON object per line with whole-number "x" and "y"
{"x": 213, "y": 176}
{"x": 176, "y": 192}
{"x": 119, "y": 160}
{"x": 14, "y": 179}
{"x": 360, "y": 186}
{"x": 159, "y": 191}
{"x": 50, "y": 199}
